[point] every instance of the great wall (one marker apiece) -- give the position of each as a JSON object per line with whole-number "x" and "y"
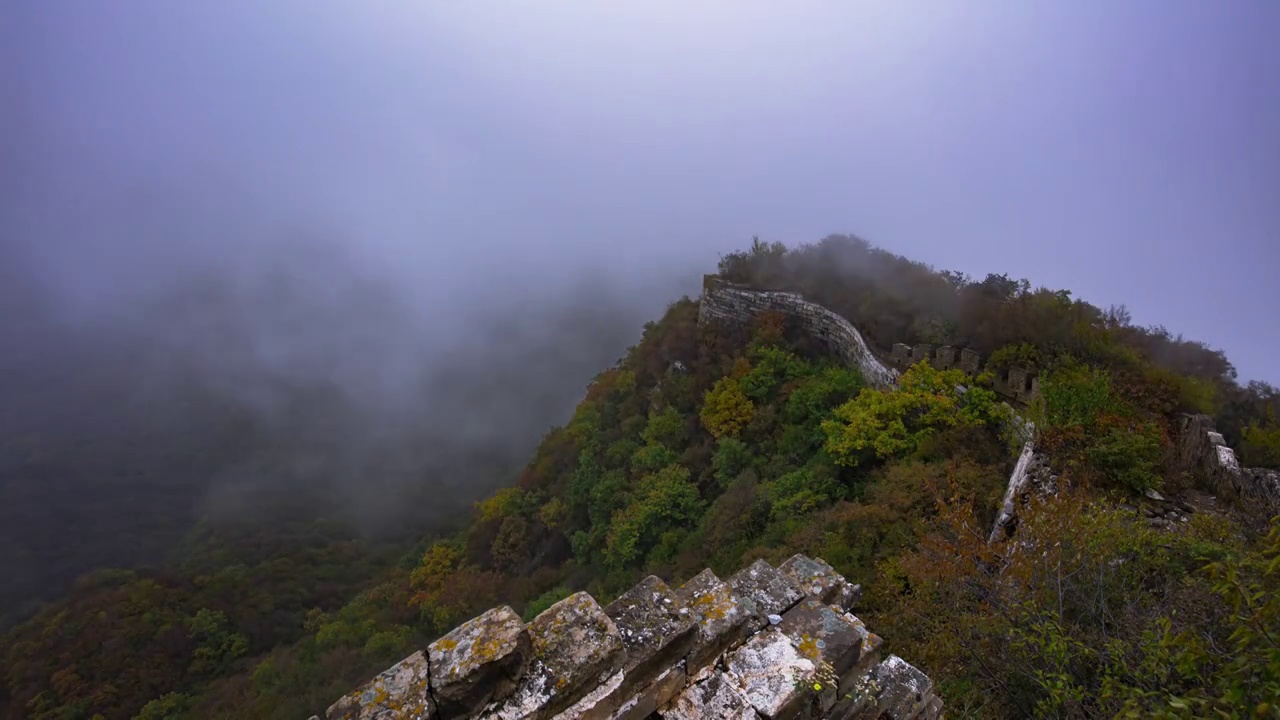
{"x": 771, "y": 643}
{"x": 775, "y": 643}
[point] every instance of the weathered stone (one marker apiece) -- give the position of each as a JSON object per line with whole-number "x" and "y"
{"x": 479, "y": 662}
{"x": 856, "y": 701}
{"x": 776, "y": 679}
{"x": 727, "y": 303}
{"x": 868, "y": 655}
{"x": 654, "y": 632}
{"x": 819, "y": 581}
{"x": 718, "y": 697}
{"x": 903, "y": 692}
{"x": 922, "y": 351}
{"x": 576, "y": 647}
{"x": 902, "y": 354}
{"x": 823, "y": 634}
{"x": 658, "y": 693}
{"x": 1203, "y": 452}
{"x": 598, "y": 704}
{"x": 400, "y": 692}
{"x": 764, "y": 590}
{"x": 721, "y": 620}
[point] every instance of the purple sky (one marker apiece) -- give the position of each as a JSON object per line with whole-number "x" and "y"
{"x": 1128, "y": 151}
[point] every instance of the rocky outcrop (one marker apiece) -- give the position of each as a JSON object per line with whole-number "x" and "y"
{"x": 768, "y": 643}
{"x": 1204, "y": 453}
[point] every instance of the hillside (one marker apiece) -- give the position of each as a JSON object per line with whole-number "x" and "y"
{"x": 712, "y": 444}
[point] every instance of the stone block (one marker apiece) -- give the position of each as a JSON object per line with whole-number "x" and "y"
{"x": 400, "y": 692}
{"x": 903, "y": 692}
{"x": 818, "y": 580}
{"x": 1017, "y": 386}
{"x": 721, "y": 621}
{"x": 778, "y": 681}
{"x": 944, "y": 357}
{"x": 932, "y": 710}
{"x": 824, "y": 635}
{"x": 856, "y": 702}
{"x": 970, "y": 361}
{"x": 575, "y": 648}
{"x": 868, "y": 655}
{"x": 655, "y": 634}
{"x": 658, "y": 693}
{"x": 480, "y": 661}
{"x": 598, "y": 704}
{"x": 764, "y": 590}
{"x": 902, "y": 354}
{"x": 717, "y": 697}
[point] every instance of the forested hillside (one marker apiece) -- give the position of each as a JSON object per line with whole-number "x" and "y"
{"x": 712, "y": 446}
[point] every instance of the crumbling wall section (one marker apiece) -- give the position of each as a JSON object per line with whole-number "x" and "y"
{"x": 1204, "y": 453}
{"x": 765, "y": 643}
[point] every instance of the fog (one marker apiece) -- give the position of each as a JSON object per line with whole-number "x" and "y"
{"x": 394, "y": 241}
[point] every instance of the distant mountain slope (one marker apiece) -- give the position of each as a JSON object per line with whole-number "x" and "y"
{"x": 709, "y": 445}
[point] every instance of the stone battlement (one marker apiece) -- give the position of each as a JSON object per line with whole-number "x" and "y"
{"x": 1204, "y": 452}
{"x": 772, "y": 643}
{"x": 726, "y": 302}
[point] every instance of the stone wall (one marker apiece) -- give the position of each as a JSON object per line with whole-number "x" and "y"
{"x": 944, "y": 357}
{"x": 1018, "y": 384}
{"x": 772, "y": 643}
{"x": 1205, "y": 454}
{"x": 723, "y": 302}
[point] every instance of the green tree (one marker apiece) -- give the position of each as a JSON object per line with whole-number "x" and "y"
{"x": 726, "y": 409}
{"x": 217, "y": 646}
{"x": 887, "y": 423}
{"x": 666, "y": 500}
{"x": 170, "y": 706}
{"x": 1260, "y": 446}
{"x": 732, "y": 456}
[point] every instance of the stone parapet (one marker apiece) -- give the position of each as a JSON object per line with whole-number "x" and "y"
{"x": 771, "y": 643}
{"x": 738, "y": 305}
{"x": 723, "y": 302}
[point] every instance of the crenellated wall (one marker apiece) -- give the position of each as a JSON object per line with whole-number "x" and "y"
{"x": 944, "y": 357}
{"x": 1015, "y": 383}
{"x": 1204, "y": 453}
{"x": 772, "y": 643}
{"x": 725, "y": 302}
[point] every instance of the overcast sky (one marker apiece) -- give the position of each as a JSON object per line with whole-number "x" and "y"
{"x": 1129, "y": 151}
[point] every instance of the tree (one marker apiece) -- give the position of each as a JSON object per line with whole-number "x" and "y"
{"x": 885, "y": 423}
{"x": 666, "y": 500}
{"x": 726, "y": 409}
